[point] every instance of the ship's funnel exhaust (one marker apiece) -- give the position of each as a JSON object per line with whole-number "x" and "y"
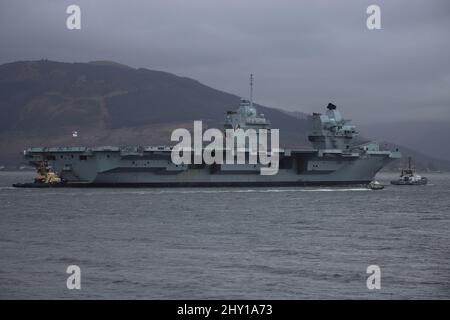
{"x": 331, "y": 106}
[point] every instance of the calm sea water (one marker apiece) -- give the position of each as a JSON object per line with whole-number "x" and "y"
{"x": 283, "y": 243}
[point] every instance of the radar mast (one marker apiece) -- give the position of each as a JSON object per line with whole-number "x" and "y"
{"x": 251, "y": 89}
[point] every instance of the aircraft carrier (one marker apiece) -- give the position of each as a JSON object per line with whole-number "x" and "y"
{"x": 333, "y": 159}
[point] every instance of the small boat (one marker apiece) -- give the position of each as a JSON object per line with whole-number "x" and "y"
{"x": 375, "y": 185}
{"x": 409, "y": 177}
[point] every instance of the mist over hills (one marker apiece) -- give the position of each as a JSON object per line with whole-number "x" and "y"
{"x": 107, "y": 103}
{"x": 431, "y": 137}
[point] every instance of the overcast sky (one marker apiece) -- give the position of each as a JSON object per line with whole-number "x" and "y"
{"x": 303, "y": 54}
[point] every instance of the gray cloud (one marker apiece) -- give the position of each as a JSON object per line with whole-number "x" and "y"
{"x": 303, "y": 53}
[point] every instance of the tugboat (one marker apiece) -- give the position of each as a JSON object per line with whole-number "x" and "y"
{"x": 46, "y": 178}
{"x": 409, "y": 177}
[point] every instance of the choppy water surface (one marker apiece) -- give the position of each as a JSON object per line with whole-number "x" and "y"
{"x": 250, "y": 243}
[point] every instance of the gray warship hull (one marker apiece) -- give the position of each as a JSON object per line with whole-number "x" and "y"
{"x": 152, "y": 167}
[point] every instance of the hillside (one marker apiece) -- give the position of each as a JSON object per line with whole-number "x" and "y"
{"x": 107, "y": 103}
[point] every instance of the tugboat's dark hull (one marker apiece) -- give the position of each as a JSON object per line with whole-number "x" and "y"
{"x": 420, "y": 182}
{"x": 39, "y": 185}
